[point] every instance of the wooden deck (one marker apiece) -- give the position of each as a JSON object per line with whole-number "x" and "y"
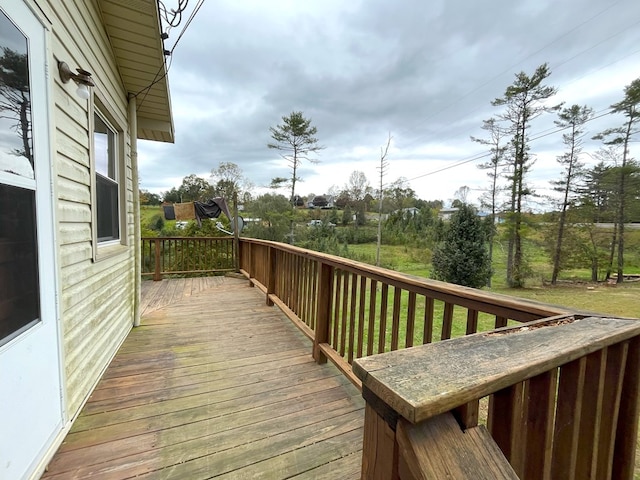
{"x": 214, "y": 384}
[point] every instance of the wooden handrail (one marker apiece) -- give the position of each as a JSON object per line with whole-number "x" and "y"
{"x": 592, "y": 363}
{"x": 558, "y": 368}
{"x": 352, "y": 309}
{"x": 186, "y": 255}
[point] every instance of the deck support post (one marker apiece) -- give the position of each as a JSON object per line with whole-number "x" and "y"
{"x": 323, "y": 313}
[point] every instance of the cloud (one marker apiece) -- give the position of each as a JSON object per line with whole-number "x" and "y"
{"x": 426, "y": 72}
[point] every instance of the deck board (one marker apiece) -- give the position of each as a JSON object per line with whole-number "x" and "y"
{"x": 214, "y": 384}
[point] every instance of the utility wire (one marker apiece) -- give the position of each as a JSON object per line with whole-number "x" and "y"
{"x": 464, "y": 161}
{"x": 510, "y": 68}
{"x": 163, "y": 71}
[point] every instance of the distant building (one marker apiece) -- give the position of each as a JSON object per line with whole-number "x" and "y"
{"x": 446, "y": 213}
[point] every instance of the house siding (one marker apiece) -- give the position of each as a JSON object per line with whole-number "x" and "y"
{"x": 96, "y": 298}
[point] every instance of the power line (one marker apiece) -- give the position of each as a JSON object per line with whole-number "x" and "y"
{"x": 510, "y": 68}
{"x": 158, "y": 77}
{"x": 464, "y": 161}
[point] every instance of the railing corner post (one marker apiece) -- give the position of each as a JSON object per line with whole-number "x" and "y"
{"x": 323, "y": 312}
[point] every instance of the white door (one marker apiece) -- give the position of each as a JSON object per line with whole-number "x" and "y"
{"x": 30, "y": 379}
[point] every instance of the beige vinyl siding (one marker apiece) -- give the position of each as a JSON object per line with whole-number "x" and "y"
{"x": 96, "y": 298}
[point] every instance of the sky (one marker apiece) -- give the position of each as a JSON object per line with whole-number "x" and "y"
{"x": 424, "y": 73}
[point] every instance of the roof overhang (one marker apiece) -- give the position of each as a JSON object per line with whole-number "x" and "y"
{"x": 134, "y": 30}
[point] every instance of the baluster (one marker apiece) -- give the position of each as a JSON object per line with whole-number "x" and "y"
{"x": 352, "y": 316}
{"x": 363, "y": 298}
{"x": 395, "y": 322}
{"x": 384, "y": 298}
{"x": 411, "y": 320}
{"x": 427, "y": 334}
{"x": 447, "y": 321}
{"x": 372, "y": 315}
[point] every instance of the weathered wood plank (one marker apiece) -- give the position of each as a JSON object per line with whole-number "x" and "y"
{"x": 474, "y": 366}
{"x": 195, "y": 391}
{"x": 438, "y": 449}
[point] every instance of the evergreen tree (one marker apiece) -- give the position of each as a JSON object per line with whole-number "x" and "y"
{"x": 572, "y": 118}
{"x": 629, "y": 106}
{"x": 462, "y": 256}
{"x": 524, "y": 100}
{"x": 295, "y": 140}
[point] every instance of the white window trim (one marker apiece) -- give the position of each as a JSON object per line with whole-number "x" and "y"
{"x": 107, "y": 249}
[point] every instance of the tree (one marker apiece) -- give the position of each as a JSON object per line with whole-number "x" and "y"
{"x": 273, "y": 212}
{"x": 172, "y": 196}
{"x": 462, "y": 257}
{"x": 493, "y": 166}
{"x": 295, "y": 140}
{"x": 148, "y": 198}
{"x": 572, "y": 118}
{"x": 524, "y": 101}
{"x": 622, "y": 136}
{"x": 229, "y": 180}
{"x": 383, "y": 170}
{"x": 399, "y": 195}
{"x": 358, "y": 186}
{"x": 194, "y": 188}
{"x": 15, "y": 98}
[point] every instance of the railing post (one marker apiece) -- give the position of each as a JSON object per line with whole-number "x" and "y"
{"x": 380, "y": 444}
{"x": 271, "y": 273}
{"x": 157, "y": 275}
{"x": 323, "y": 312}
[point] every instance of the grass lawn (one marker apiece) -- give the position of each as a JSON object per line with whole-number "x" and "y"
{"x": 620, "y": 300}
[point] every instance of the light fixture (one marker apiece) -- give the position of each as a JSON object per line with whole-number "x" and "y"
{"x": 82, "y": 79}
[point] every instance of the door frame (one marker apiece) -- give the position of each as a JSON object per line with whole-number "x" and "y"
{"x": 26, "y": 14}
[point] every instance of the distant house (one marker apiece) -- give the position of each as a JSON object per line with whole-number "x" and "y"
{"x": 408, "y": 211}
{"x": 69, "y": 216}
{"x": 446, "y": 213}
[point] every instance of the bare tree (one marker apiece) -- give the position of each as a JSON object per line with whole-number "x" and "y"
{"x": 384, "y": 151}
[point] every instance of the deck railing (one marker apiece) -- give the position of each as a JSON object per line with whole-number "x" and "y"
{"x": 560, "y": 392}
{"x": 563, "y": 403}
{"x": 186, "y": 256}
{"x": 350, "y": 309}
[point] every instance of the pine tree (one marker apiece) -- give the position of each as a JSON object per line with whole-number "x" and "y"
{"x": 462, "y": 256}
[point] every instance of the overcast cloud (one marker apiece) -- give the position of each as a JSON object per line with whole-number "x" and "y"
{"x": 425, "y": 72}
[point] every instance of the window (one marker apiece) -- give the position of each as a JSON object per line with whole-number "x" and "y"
{"x": 105, "y": 141}
{"x": 19, "y": 282}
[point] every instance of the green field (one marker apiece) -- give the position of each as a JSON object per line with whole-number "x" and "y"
{"x": 620, "y": 300}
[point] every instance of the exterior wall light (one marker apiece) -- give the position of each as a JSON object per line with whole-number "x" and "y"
{"x": 82, "y": 79}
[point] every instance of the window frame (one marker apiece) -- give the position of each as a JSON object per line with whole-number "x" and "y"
{"x": 108, "y": 247}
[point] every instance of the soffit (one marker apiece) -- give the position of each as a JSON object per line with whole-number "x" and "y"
{"x": 134, "y": 28}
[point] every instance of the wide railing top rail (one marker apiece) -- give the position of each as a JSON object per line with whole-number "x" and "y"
{"x": 420, "y": 383}
{"x": 464, "y": 296}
